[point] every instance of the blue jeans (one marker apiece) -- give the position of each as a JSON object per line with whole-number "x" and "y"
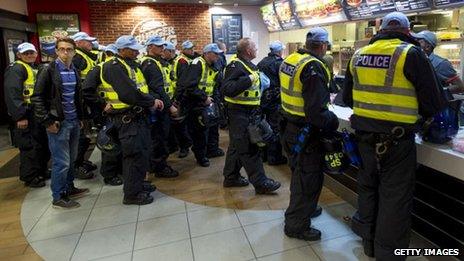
{"x": 63, "y": 147}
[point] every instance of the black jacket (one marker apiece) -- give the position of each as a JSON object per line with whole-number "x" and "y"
{"x": 270, "y": 66}
{"x": 418, "y": 71}
{"x": 15, "y": 75}
{"x": 316, "y": 96}
{"x": 47, "y": 97}
{"x": 115, "y": 73}
{"x": 192, "y": 95}
{"x": 90, "y": 92}
{"x": 154, "y": 78}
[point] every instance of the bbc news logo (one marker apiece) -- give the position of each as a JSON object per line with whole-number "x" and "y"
{"x": 426, "y": 252}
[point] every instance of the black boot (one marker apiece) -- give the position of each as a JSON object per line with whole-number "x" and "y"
{"x": 239, "y": 182}
{"x": 267, "y": 187}
{"x": 309, "y": 235}
{"x": 143, "y": 198}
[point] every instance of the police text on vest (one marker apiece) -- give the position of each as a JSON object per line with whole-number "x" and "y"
{"x": 373, "y": 61}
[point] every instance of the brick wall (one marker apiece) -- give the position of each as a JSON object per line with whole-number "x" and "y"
{"x": 110, "y": 20}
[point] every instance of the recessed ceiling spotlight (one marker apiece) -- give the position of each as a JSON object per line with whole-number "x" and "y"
{"x": 200, "y": 2}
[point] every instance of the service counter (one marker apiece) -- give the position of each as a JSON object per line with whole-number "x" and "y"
{"x": 438, "y": 196}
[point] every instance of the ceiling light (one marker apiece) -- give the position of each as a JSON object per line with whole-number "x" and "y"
{"x": 217, "y": 3}
{"x": 200, "y": 2}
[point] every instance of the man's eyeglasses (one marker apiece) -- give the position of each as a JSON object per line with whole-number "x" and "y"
{"x": 68, "y": 50}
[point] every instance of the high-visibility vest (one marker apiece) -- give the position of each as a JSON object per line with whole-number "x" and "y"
{"x": 208, "y": 76}
{"x": 380, "y": 89}
{"x": 252, "y": 95}
{"x": 176, "y": 63}
{"x": 28, "y": 84}
{"x": 165, "y": 72}
{"x": 110, "y": 95}
{"x": 291, "y": 91}
{"x": 89, "y": 64}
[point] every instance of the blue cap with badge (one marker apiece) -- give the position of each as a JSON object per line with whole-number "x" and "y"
{"x": 187, "y": 45}
{"x": 83, "y": 36}
{"x": 318, "y": 34}
{"x": 427, "y": 36}
{"x": 128, "y": 41}
{"x": 276, "y": 46}
{"x": 111, "y": 48}
{"x": 155, "y": 40}
{"x": 170, "y": 46}
{"x": 400, "y": 19}
{"x": 212, "y": 47}
{"x": 24, "y": 47}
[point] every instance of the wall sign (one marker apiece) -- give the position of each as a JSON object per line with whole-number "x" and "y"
{"x": 228, "y": 29}
{"x": 149, "y": 27}
{"x": 53, "y": 26}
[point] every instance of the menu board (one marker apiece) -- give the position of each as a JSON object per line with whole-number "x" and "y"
{"x": 446, "y": 3}
{"x": 413, "y": 6}
{"x": 365, "y": 9}
{"x": 285, "y": 14}
{"x": 51, "y": 27}
{"x": 315, "y": 12}
{"x": 270, "y": 18}
{"x": 227, "y": 29}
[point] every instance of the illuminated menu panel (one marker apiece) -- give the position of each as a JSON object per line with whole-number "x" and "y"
{"x": 315, "y": 12}
{"x": 365, "y": 9}
{"x": 270, "y": 18}
{"x": 413, "y": 6}
{"x": 285, "y": 14}
{"x": 446, "y": 3}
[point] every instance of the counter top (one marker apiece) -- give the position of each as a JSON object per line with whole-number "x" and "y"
{"x": 438, "y": 157}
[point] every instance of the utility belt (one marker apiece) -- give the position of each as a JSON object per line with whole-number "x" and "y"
{"x": 384, "y": 141}
{"x": 126, "y": 116}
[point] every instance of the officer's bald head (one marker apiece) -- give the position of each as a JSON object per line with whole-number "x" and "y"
{"x": 246, "y": 48}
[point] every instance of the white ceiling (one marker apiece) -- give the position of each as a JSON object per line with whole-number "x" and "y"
{"x": 211, "y": 2}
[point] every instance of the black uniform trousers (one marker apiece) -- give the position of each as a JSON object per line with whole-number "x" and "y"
{"x": 32, "y": 143}
{"x": 241, "y": 153}
{"x": 386, "y": 197}
{"x": 204, "y": 140}
{"x": 159, "y": 146}
{"x": 307, "y": 177}
{"x": 179, "y": 136}
{"x": 273, "y": 150}
{"x": 133, "y": 137}
{"x": 111, "y": 165}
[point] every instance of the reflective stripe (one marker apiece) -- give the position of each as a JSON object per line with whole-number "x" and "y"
{"x": 255, "y": 87}
{"x": 385, "y": 108}
{"x": 293, "y": 107}
{"x": 391, "y": 70}
{"x": 386, "y": 90}
{"x": 292, "y": 79}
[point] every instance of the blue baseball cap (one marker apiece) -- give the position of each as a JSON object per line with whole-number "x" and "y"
{"x": 155, "y": 40}
{"x": 170, "y": 46}
{"x": 276, "y": 46}
{"x": 83, "y": 36}
{"x": 318, "y": 34}
{"x": 24, "y": 47}
{"x": 187, "y": 45}
{"x": 212, "y": 47}
{"x": 111, "y": 48}
{"x": 427, "y": 36}
{"x": 398, "y": 17}
{"x": 128, "y": 41}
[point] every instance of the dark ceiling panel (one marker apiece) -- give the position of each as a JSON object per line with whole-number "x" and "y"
{"x": 211, "y": 2}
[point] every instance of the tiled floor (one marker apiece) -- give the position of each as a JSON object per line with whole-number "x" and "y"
{"x": 192, "y": 218}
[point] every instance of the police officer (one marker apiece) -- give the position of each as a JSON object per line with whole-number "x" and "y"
{"x": 125, "y": 93}
{"x": 389, "y": 83}
{"x": 270, "y": 101}
{"x": 178, "y": 134}
{"x": 84, "y": 60}
{"x": 447, "y": 76}
{"x": 200, "y": 83}
{"x": 157, "y": 73}
{"x": 28, "y": 134}
{"x": 94, "y": 95}
{"x": 305, "y": 96}
{"x": 241, "y": 87}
